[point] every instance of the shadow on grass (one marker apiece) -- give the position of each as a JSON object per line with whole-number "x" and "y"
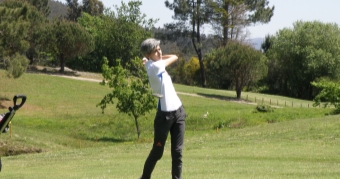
{"x": 2, "y": 106}
{"x": 114, "y": 140}
{"x": 51, "y": 71}
{"x": 2, "y": 99}
{"x": 214, "y": 96}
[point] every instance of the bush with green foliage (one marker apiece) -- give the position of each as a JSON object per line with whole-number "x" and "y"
{"x": 117, "y": 34}
{"x": 330, "y": 94}
{"x": 16, "y": 65}
{"x": 302, "y": 54}
{"x": 264, "y": 108}
{"x": 235, "y": 66}
{"x": 130, "y": 89}
{"x": 192, "y": 71}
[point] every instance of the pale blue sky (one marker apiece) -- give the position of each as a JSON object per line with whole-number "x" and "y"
{"x": 285, "y": 14}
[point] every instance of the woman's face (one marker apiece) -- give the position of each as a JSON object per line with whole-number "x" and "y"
{"x": 156, "y": 54}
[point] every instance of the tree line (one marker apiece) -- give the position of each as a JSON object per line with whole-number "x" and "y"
{"x": 88, "y": 32}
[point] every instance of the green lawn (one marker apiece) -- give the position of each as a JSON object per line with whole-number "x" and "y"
{"x": 64, "y": 135}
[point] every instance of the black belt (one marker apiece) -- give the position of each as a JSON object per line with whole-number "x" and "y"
{"x": 169, "y": 112}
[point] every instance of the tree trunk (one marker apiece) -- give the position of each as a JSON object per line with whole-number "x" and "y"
{"x": 196, "y": 18}
{"x": 238, "y": 93}
{"x": 202, "y": 71}
{"x": 225, "y": 24}
{"x": 30, "y": 56}
{"x": 238, "y": 87}
{"x": 62, "y": 63}
{"x": 137, "y": 126}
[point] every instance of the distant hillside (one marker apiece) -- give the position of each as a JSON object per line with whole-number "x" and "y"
{"x": 57, "y": 9}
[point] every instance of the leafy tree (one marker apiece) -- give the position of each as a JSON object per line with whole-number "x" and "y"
{"x": 265, "y": 46}
{"x": 74, "y": 10}
{"x": 330, "y": 94}
{"x": 268, "y": 82}
{"x": 42, "y": 6}
{"x": 15, "y": 23}
{"x": 93, "y": 7}
{"x": 191, "y": 70}
{"x": 118, "y": 34}
{"x": 131, "y": 28}
{"x": 99, "y": 28}
{"x": 39, "y": 38}
{"x": 69, "y": 40}
{"x": 230, "y": 16}
{"x": 14, "y": 28}
{"x": 36, "y": 37}
{"x": 236, "y": 63}
{"x": 298, "y": 56}
{"x": 191, "y": 17}
{"x": 227, "y": 17}
{"x": 131, "y": 90}
{"x": 34, "y": 21}
{"x": 16, "y": 65}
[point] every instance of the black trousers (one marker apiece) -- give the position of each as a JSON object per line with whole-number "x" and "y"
{"x": 165, "y": 122}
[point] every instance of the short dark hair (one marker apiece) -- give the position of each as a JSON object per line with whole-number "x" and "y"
{"x": 148, "y": 45}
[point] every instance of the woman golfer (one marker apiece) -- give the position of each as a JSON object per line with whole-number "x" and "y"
{"x": 170, "y": 116}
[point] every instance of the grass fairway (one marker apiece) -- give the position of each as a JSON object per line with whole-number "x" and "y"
{"x": 65, "y": 136}
{"x": 306, "y": 148}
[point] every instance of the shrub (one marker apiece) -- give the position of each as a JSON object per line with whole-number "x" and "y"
{"x": 16, "y": 65}
{"x": 264, "y": 108}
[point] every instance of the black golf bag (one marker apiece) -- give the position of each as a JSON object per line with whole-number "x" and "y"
{"x": 6, "y": 118}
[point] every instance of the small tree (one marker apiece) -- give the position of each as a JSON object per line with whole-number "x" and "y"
{"x": 131, "y": 90}
{"x": 70, "y": 40}
{"x": 237, "y": 63}
{"x": 191, "y": 71}
{"x": 16, "y": 65}
{"x": 330, "y": 94}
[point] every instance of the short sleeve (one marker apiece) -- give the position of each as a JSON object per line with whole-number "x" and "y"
{"x": 159, "y": 67}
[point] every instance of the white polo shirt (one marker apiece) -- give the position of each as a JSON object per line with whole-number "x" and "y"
{"x": 161, "y": 83}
